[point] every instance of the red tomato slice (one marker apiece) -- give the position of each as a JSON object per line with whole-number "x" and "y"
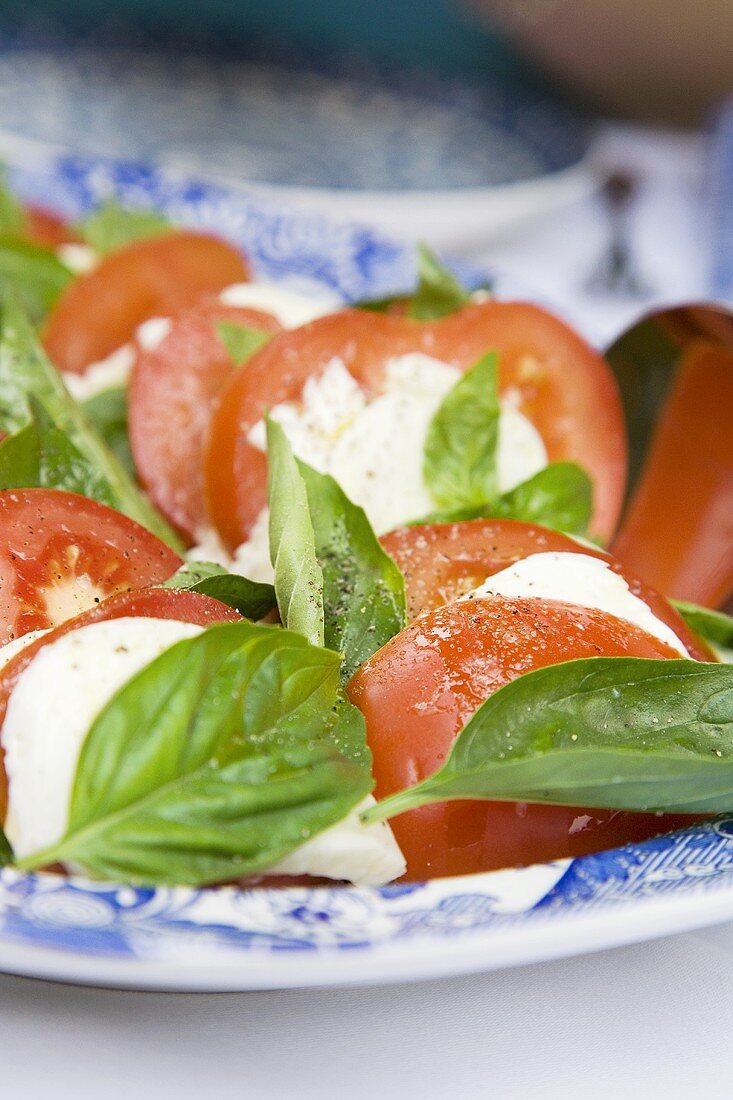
{"x": 417, "y": 692}
{"x": 158, "y": 276}
{"x": 46, "y": 227}
{"x": 171, "y": 396}
{"x": 678, "y": 531}
{"x": 565, "y": 388}
{"x": 441, "y": 562}
{"x": 151, "y": 603}
{"x": 61, "y": 553}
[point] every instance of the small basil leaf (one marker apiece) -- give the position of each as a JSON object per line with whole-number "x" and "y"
{"x": 25, "y": 373}
{"x": 560, "y": 496}
{"x": 298, "y": 576}
{"x": 6, "y": 852}
{"x": 714, "y": 626}
{"x": 215, "y": 761}
{"x": 111, "y": 226}
{"x": 252, "y": 599}
{"x": 438, "y": 291}
{"x": 242, "y": 341}
{"x": 107, "y": 413}
{"x": 34, "y": 274}
{"x": 459, "y": 464}
{"x": 12, "y": 214}
{"x": 363, "y": 589}
{"x": 622, "y": 733}
{"x": 382, "y": 305}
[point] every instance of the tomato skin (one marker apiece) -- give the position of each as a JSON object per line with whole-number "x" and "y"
{"x": 563, "y": 386}
{"x": 678, "y": 530}
{"x": 46, "y": 227}
{"x": 49, "y": 539}
{"x": 158, "y": 276}
{"x": 170, "y": 398}
{"x": 151, "y": 603}
{"x": 417, "y": 692}
{"x": 441, "y": 562}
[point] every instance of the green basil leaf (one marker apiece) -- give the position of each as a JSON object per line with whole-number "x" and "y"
{"x": 252, "y": 599}
{"x": 111, "y": 226}
{"x": 714, "y": 626}
{"x": 621, "y": 733}
{"x": 6, "y": 852}
{"x": 41, "y": 455}
{"x": 382, "y": 305}
{"x": 242, "y": 341}
{"x": 12, "y": 214}
{"x": 219, "y": 758}
{"x": 34, "y": 275}
{"x": 25, "y": 373}
{"x": 438, "y": 291}
{"x": 298, "y": 576}
{"x": 363, "y": 589}
{"x": 459, "y": 465}
{"x": 560, "y": 496}
{"x": 107, "y": 413}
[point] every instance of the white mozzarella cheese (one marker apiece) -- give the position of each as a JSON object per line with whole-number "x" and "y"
{"x": 576, "y": 579}
{"x": 107, "y": 373}
{"x": 290, "y": 307}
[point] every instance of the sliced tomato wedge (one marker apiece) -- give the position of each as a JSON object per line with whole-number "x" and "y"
{"x": 564, "y": 387}
{"x": 151, "y": 603}
{"x": 46, "y": 227}
{"x": 418, "y": 691}
{"x": 61, "y": 553}
{"x": 678, "y": 531}
{"x": 170, "y": 399}
{"x": 441, "y": 562}
{"x": 158, "y": 276}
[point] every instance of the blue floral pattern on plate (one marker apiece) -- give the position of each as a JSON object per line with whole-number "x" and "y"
{"x": 113, "y": 922}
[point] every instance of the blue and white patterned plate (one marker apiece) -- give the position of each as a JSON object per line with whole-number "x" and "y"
{"x": 228, "y": 939}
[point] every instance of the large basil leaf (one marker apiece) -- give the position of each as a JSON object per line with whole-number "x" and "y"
{"x": 252, "y": 599}
{"x": 107, "y": 413}
{"x": 298, "y": 575}
{"x": 242, "y": 341}
{"x": 215, "y": 761}
{"x": 618, "y": 732}
{"x": 25, "y": 373}
{"x": 714, "y": 626}
{"x": 363, "y": 589}
{"x": 111, "y": 226}
{"x": 459, "y": 465}
{"x": 33, "y": 274}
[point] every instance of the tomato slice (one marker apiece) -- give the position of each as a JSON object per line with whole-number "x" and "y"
{"x": 158, "y": 276}
{"x": 441, "y": 562}
{"x": 151, "y": 603}
{"x": 61, "y": 553}
{"x": 417, "y": 692}
{"x": 564, "y": 387}
{"x": 678, "y": 531}
{"x": 170, "y": 399}
{"x": 46, "y": 227}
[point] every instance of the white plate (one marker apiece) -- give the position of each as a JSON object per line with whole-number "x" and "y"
{"x": 226, "y": 939}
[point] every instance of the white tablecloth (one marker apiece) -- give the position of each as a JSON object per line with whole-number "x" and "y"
{"x": 653, "y": 1020}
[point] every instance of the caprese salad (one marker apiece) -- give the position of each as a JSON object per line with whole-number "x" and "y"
{"x": 294, "y": 588}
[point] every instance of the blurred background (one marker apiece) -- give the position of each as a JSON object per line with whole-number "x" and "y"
{"x": 586, "y": 148}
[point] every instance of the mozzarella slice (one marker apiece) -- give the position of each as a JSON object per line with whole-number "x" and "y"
{"x": 79, "y": 258}
{"x": 576, "y": 579}
{"x": 104, "y": 375}
{"x": 288, "y": 306}
{"x": 151, "y": 333}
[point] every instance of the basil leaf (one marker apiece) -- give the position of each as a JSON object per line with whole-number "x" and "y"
{"x": 363, "y": 589}
{"x": 382, "y": 305}
{"x": 111, "y": 226}
{"x": 298, "y": 576}
{"x": 242, "y": 341}
{"x": 560, "y": 496}
{"x": 25, "y": 373}
{"x": 107, "y": 413}
{"x": 215, "y": 761}
{"x": 34, "y": 274}
{"x": 459, "y": 464}
{"x": 12, "y": 214}
{"x": 250, "y": 598}
{"x": 41, "y": 455}
{"x": 714, "y": 626}
{"x": 6, "y": 852}
{"x": 622, "y": 733}
{"x": 438, "y": 291}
